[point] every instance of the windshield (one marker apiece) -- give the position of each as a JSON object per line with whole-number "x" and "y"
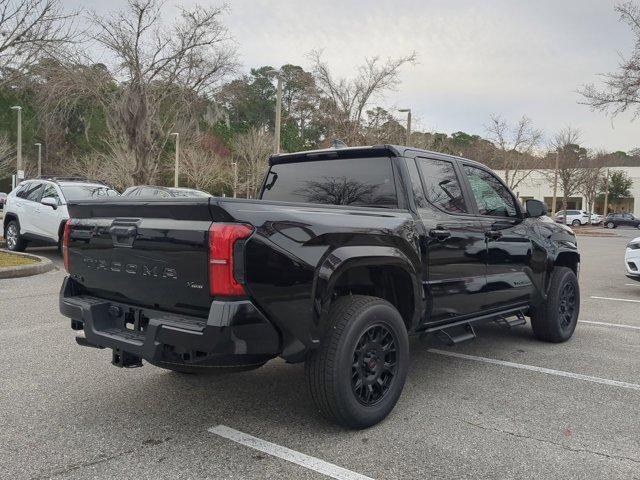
{"x": 354, "y": 181}
{"x": 86, "y": 192}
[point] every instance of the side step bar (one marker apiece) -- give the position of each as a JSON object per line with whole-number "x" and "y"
{"x": 454, "y": 335}
{"x": 462, "y": 330}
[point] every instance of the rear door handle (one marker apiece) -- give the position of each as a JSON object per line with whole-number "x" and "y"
{"x": 439, "y": 233}
{"x": 493, "y": 235}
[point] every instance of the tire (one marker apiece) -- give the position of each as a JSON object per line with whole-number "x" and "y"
{"x": 576, "y": 223}
{"x": 556, "y": 319}
{"x": 15, "y": 241}
{"x": 367, "y": 345}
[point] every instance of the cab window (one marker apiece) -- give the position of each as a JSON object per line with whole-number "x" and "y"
{"x": 51, "y": 192}
{"x": 34, "y": 192}
{"x": 492, "y": 197}
{"x": 441, "y": 185}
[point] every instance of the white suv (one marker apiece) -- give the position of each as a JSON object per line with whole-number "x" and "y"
{"x": 577, "y": 217}
{"x": 632, "y": 259}
{"x": 36, "y": 210}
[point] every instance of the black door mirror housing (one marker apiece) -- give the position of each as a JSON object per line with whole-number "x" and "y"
{"x": 535, "y": 208}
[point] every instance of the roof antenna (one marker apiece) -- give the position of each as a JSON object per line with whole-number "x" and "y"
{"x": 337, "y": 143}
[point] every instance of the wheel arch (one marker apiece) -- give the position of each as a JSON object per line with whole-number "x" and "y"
{"x": 569, "y": 259}
{"x": 383, "y": 272}
{"x": 7, "y": 218}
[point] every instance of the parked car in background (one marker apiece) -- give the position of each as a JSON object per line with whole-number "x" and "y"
{"x": 577, "y": 217}
{"x": 36, "y": 210}
{"x": 3, "y": 199}
{"x": 615, "y": 220}
{"x": 632, "y": 259}
{"x": 162, "y": 192}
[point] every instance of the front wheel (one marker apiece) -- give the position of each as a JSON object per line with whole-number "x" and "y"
{"x": 12, "y": 236}
{"x": 357, "y": 374}
{"x": 611, "y": 225}
{"x": 576, "y": 223}
{"x": 555, "y": 320}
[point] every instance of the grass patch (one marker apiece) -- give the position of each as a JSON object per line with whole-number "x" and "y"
{"x": 11, "y": 260}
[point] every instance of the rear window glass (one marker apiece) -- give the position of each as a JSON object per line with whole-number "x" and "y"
{"x": 353, "y": 181}
{"x": 86, "y": 192}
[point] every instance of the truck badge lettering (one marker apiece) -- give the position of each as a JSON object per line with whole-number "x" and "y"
{"x": 131, "y": 268}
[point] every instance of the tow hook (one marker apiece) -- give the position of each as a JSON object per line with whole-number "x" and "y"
{"x": 124, "y": 359}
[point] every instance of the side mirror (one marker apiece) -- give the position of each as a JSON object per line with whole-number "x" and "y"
{"x": 536, "y": 208}
{"x": 50, "y": 202}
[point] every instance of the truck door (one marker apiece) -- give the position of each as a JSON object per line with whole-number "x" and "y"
{"x": 511, "y": 256}
{"x": 454, "y": 243}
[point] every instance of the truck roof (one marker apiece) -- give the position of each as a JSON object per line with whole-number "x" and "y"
{"x": 354, "y": 152}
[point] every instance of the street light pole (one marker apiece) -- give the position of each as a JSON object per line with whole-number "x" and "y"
{"x": 176, "y": 170}
{"x": 555, "y": 185}
{"x": 18, "y": 142}
{"x": 278, "y": 125}
{"x": 606, "y": 194}
{"x": 234, "y": 165}
{"x": 408, "y": 112}
{"x": 39, "y": 145}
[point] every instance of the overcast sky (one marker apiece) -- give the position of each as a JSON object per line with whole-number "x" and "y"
{"x": 475, "y": 58}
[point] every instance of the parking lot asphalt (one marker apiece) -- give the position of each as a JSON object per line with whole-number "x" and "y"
{"x": 547, "y": 411}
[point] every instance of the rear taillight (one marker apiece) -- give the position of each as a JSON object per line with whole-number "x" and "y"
{"x": 222, "y": 239}
{"x": 65, "y": 244}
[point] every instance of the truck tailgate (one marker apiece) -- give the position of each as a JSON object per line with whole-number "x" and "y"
{"x": 148, "y": 253}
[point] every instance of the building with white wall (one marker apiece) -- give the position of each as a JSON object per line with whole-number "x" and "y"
{"x": 539, "y": 185}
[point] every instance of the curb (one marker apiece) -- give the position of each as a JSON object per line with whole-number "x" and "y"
{"x": 44, "y": 265}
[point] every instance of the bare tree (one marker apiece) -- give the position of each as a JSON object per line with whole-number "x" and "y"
{"x": 32, "y": 29}
{"x": 344, "y": 102}
{"x": 621, "y": 90}
{"x": 571, "y": 160}
{"x": 251, "y": 151}
{"x": 163, "y": 70}
{"x": 7, "y": 159}
{"x": 515, "y": 147}
{"x": 591, "y": 179}
{"x": 204, "y": 169}
{"x": 114, "y": 166}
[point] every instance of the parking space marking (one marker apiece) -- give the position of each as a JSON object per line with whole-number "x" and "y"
{"x": 287, "y": 454}
{"x": 533, "y": 368}
{"x": 633, "y": 327}
{"x": 617, "y": 299}
{"x": 632, "y": 284}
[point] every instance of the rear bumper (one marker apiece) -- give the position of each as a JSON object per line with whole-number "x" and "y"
{"x": 235, "y": 335}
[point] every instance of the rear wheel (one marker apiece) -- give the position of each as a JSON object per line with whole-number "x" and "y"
{"x": 556, "y": 319}
{"x": 611, "y": 225}
{"x": 576, "y": 223}
{"x": 12, "y": 236}
{"x": 357, "y": 375}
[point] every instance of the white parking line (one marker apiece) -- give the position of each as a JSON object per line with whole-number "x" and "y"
{"x": 617, "y": 299}
{"x": 633, "y": 327}
{"x": 632, "y": 284}
{"x": 287, "y": 454}
{"x": 549, "y": 371}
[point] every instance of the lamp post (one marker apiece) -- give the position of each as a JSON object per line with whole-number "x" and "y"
{"x": 39, "y": 145}
{"x": 234, "y": 165}
{"x": 176, "y": 170}
{"x": 408, "y": 112}
{"x": 18, "y": 109}
{"x": 276, "y": 140}
{"x": 555, "y": 185}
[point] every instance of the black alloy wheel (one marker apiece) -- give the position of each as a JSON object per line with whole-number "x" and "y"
{"x": 374, "y": 365}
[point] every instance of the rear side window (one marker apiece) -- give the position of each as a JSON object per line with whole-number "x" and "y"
{"x": 441, "y": 185}
{"x": 351, "y": 181}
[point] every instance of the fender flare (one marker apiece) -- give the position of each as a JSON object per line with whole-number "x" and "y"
{"x": 342, "y": 259}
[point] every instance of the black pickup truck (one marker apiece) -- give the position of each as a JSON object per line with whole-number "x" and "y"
{"x": 346, "y": 253}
